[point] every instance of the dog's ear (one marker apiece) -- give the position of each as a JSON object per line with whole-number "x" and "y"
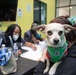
{"x": 68, "y": 28}
{"x": 40, "y": 28}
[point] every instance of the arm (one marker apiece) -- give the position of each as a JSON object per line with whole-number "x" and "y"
{"x": 26, "y": 37}
{"x": 39, "y": 37}
{"x": 39, "y": 70}
{"x": 29, "y": 44}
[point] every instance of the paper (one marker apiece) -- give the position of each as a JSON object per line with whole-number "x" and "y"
{"x": 40, "y": 47}
{"x": 32, "y": 55}
{"x": 20, "y": 12}
{"x": 26, "y": 48}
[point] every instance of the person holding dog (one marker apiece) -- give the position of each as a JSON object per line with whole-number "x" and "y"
{"x": 68, "y": 65}
{"x": 13, "y": 35}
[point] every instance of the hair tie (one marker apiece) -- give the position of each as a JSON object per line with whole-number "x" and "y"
{"x": 72, "y": 20}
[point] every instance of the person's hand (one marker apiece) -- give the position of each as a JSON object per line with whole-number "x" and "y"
{"x": 37, "y": 41}
{"x": 33, "y": 47}
{"x": 19, "y": 52}
{"x": 29, "y": 44}
{"x": 43, "y": 39}
{"x": 43, "y": 56}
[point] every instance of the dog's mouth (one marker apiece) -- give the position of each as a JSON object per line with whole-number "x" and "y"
{"x": 55, "y": 44}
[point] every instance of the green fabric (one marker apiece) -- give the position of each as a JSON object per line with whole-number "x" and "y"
{"x": 56, "y": 53}
{"x": 72, "y": 20}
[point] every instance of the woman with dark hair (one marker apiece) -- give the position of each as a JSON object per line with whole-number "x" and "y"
{"x": 13, "y": 35}
{"x": 70, "y": 21}
{"x": 32, "y": 35}
{"x": 68, "y": 66}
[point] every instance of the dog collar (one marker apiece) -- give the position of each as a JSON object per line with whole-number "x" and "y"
{"x": 57, "y": 53}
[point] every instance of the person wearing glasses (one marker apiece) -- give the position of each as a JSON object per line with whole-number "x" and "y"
{"x": 13, "y": 35}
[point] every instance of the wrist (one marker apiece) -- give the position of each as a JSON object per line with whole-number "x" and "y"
{"x": 42, "y": 59}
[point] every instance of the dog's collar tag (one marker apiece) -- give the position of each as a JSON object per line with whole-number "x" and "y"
{"x": 56, "y": 53}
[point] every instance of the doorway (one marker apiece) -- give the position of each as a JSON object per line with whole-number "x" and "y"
{"x": 40, "y": 12}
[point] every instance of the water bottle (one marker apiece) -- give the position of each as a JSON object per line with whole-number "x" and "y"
{"x": 3, "y": 48}
{"x": 16, "y": 51}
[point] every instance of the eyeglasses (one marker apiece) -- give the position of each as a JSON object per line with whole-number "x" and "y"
{"x": 16, "y": 32}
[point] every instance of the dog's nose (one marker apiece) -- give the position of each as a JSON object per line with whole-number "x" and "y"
{"x": 56, "y": 41}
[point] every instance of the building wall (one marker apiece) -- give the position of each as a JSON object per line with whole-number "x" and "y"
{"x": 26, "y": 19}
{"x": 50, "y": 9}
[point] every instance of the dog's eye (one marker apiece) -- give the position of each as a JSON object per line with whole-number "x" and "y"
{"x": 49, "y": 33}
{"x": 60, "y": 32}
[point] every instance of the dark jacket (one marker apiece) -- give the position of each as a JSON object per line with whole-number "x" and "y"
{"x": 39, "y": 69}
{"x": 7, "y": 41}
{"x": 28, "y": 35}
{"x": 67, "y": 67}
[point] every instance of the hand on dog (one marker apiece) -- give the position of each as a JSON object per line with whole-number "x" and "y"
{"x": 43, "y": 57}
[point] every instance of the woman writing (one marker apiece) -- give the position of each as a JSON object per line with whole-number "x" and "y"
{"x": 13, "y": 35}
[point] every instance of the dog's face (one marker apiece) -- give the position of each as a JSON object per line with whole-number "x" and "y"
{"x": 55, "y": 33}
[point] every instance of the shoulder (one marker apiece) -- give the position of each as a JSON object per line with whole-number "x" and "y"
{"x": 2, "y": 34}
{"x": 29, "y": 31}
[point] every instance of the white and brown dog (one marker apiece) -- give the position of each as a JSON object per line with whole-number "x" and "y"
{"x": 56, "y": 41}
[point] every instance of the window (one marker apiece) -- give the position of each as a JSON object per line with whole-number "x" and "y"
{"x": 62, "y": 3}
{"x": 65, "y": 7}
{"x": 40, "y": 12}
